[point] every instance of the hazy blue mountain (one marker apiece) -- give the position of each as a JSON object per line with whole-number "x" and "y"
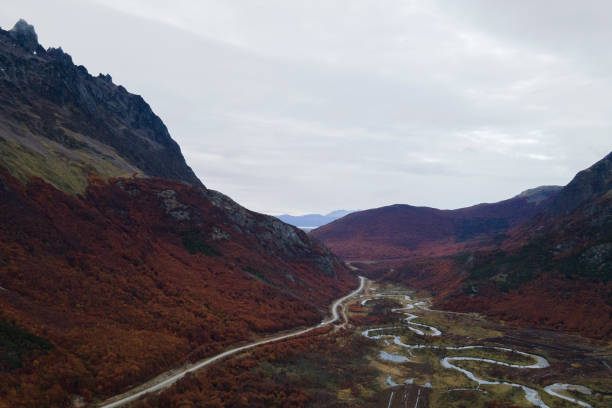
{"x": 310, "y": 221}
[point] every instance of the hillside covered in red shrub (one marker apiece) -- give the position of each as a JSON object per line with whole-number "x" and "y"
{"x": 139, "y": 275}
{"x": 402, "y": 231}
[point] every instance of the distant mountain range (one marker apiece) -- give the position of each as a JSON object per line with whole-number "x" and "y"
{"x": 310, "y": 221}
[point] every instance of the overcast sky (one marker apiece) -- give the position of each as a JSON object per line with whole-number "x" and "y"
{"x": 310, "y": 106}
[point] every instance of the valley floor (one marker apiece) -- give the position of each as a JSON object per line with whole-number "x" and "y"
{"x": 445, "y": 359}
{"x": 396, "y": 352}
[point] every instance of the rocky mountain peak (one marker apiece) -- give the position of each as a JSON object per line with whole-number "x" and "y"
{"x": 25, "y": 35}
{"x": 54, "y": 113}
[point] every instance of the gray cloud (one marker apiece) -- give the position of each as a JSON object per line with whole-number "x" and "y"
{"x": 313, "y": 106}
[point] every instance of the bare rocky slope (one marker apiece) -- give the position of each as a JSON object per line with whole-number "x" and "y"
{"x": 60, "y": 123}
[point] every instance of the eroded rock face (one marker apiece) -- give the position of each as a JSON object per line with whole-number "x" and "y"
{"x": 286, "y": 240}
{"x": 598, "y": 257}
{"x": 173, "y": 206}
{"x": 218, "y": 234}
{"x": 43, "y": 94}
{"x": 24, "y": 35}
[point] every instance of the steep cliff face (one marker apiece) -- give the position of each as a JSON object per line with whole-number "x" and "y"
{"x": 60, "y": 123}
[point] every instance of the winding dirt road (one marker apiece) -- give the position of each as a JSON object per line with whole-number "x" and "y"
{"x": 160, "y": 382}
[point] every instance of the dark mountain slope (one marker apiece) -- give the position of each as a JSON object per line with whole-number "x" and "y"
{"x": 400, "y": 230}
{"x": 59, "y": 123}
{"x": 586, "y": 186}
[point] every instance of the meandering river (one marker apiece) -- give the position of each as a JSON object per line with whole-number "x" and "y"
{"x": 449, "y": 362}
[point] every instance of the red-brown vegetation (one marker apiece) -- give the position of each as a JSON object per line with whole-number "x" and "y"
{"x": 304, "y": 371}
{"x": 140, "y": 275}
{"x": 404, "y": 231}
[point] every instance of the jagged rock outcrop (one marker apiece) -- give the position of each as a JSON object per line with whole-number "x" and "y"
{"x": 60, "y": 123}
{"x": 25, "y": 35}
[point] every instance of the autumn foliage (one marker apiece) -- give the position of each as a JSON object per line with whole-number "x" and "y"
{"x": 403, "y": 231}
{"x": 303, "y": 371}
{"x": 138, "y": 276}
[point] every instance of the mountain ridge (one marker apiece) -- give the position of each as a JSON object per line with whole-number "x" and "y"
{"x": 59, "y": 123}
{"x": 587, "y": 184}
{"x": 401, "y": 230}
